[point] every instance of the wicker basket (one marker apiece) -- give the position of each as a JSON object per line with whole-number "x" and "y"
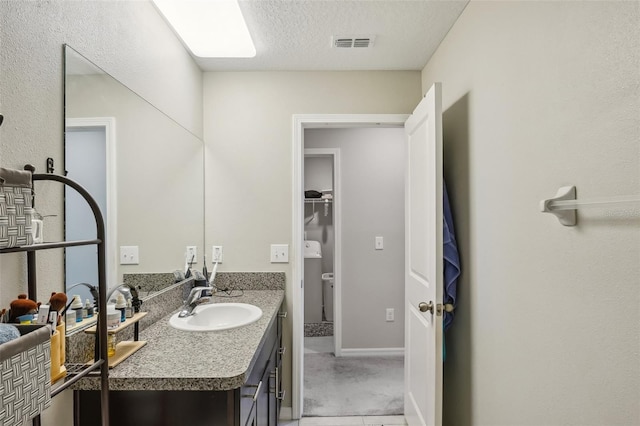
{"x": 25, "y": 382}
{"x": 16, "y": 208}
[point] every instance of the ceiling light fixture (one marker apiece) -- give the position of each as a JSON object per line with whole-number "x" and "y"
{"x": 209, "y": 28}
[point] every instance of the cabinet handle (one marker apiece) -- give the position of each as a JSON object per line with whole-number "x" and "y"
{"x": 277, "y": 382}
{"x": 255, "y": 395}
{"x": 281, "y": 397}
{"x": 272, "y": 379}
{"x": 283, "y": 314}
{"x": 282, "y": 350}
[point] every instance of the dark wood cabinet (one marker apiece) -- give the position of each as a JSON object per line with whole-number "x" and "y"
{"x": 260, "y": 395}
{"x": 256, "y": 403}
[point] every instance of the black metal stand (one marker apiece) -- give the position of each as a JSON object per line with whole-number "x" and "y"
{"x": 101, "y": 332}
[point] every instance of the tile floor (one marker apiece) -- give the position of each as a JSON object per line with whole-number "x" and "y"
{"x": 346, "y": 421}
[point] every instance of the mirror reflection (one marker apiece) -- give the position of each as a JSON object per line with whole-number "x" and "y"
{"x": 145, "y": 171}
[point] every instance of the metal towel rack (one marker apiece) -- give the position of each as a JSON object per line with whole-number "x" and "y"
{"x": 564, "y": 204}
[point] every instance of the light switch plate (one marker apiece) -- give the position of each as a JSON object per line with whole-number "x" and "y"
{"x": 279, "y": 253}
{"x": 129, "y": 255}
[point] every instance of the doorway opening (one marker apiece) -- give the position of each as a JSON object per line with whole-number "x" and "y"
{"x": 90, "y": 159}
{"x": 322, "y": 247}
{"x": 314, "y": 124}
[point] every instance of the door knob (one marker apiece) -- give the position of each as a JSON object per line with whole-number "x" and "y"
{"x": 424, "y": 307}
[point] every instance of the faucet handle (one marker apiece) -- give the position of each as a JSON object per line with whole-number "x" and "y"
{"x": 197, "y": 293}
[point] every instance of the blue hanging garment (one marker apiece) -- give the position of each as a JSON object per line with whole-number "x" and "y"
{"x": 451, "y": 263}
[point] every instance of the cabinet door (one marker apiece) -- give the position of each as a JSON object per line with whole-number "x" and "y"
{"x": 252, "y": 420}
{"x": 277, "y": 370}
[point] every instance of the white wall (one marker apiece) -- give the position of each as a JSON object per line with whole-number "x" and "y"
{"x": 538, "y": 95}
{"x": 248, "y": 132}
{"x": 372, "y": 181}
{"x": 131, "y": 42}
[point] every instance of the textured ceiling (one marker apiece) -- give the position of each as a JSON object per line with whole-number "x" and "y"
{"x": 296, "y": 34}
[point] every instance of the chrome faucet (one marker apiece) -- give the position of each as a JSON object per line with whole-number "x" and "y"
{"x": 197, "y": 296}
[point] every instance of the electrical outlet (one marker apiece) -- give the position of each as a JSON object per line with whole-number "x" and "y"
{"x": 379, "y": 243}
{"x": 390, "y": 315}
{"x": 129, "y": 255}
{"x": 192, "y": 254}
{"x": 216, "y": 254}
{"x": 279, "y": 253}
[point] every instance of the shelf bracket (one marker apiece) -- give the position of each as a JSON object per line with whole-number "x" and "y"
{"x": 566, "y": 217}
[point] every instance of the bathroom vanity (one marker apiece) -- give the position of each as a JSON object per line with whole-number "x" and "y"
{"x": 229, "y": 377}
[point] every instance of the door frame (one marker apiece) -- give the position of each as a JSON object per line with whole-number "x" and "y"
{"x": 300, "y": 123}
{"x": 109, "y": 126}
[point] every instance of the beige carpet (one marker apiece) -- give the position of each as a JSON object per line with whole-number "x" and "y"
{"x": 353, "y": 386}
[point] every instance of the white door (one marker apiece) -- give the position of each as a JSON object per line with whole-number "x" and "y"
{"x": 423, "y": 263}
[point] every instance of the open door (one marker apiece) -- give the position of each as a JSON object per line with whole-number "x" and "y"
{"x": 423, "y": 263}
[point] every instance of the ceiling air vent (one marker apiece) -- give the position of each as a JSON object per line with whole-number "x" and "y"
{"x": 353, "y": 41}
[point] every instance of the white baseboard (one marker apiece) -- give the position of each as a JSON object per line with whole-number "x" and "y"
{"x": 285, "y": 413}
{"x": 372, "y": 351}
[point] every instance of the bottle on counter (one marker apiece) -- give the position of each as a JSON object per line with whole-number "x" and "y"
{"x": 111, "y": 344}
{"x": 88, "y": 306}
{"x": 128, "y": 312}
{"x": 76, "y": 305}
{"x": 121, "y": 305}
{"x": 113, "y": 317}
{"x": 70, "y": 318}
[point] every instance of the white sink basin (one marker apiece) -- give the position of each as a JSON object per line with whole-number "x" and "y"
{"x": 217, "y": 316}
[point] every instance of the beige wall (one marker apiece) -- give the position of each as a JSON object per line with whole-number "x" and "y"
{"x": 248, "y": 133}
{"x": 538, "y": 95}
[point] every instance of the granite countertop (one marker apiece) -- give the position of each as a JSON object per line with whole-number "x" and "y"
{"x": 185, "y": 360}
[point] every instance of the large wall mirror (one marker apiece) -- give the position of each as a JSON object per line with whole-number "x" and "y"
{"x": 144, "y": 169}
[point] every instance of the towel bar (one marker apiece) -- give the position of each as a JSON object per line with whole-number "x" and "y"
{"x": 564, "y": 204}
